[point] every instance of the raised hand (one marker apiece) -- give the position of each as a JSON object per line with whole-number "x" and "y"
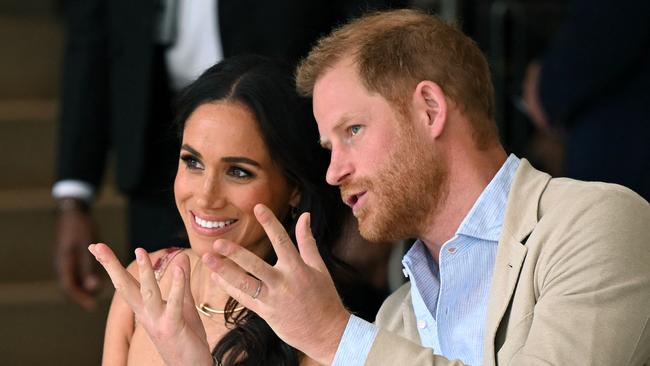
{"x": 296, "y": 296}
{"x": 173, "y": 325}
{"x": 531, "y": 97}
{"x": 76, "y": 270}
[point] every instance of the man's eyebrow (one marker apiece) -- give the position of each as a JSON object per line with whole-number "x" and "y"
{"x": 240, "y": 160}
{"x": 324, "y": 141}
{"x": 191, "y": 150}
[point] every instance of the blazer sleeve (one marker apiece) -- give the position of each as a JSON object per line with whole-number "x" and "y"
{"x": 83, "y": 136}
{"x": 390, "y": 349}
{"x": 591, "y": 282}
{"x": 601, "y": 44}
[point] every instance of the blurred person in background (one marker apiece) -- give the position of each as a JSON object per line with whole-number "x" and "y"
{"x": 591, "y": 88}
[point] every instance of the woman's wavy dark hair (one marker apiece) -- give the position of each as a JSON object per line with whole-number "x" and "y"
{"x": 267, "y": 89}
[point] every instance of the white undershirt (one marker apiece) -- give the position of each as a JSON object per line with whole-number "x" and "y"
{"x": 197, "y": 45}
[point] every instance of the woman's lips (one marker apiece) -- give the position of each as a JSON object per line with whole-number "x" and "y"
{"x": 211, "y": 226}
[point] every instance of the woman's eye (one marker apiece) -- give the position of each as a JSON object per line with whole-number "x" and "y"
{"x": 191, "y": 162}
{"x": 239, "y": 173}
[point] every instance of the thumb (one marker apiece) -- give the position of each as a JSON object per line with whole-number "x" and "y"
{"x": 90, "y": 280}
{"x": 307, "y": 244}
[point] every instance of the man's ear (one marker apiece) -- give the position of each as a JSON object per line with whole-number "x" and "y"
{"x": 430, "y": 107}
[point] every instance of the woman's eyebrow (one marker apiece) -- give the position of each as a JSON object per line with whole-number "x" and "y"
{"x": 191, "y": 150}
{"x": 240, "y": 159}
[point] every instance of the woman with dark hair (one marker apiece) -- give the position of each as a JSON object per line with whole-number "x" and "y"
{"x": 247, "y": 138}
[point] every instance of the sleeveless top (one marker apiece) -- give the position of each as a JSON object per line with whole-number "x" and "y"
{"x": 161, "y": 264}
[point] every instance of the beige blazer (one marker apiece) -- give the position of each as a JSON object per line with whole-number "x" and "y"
{"x": 571, "y": 282}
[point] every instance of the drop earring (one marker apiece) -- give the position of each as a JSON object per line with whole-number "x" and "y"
{"x": 294, "y": 212}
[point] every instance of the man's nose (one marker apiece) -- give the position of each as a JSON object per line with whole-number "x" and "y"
{"x": 339, "y": 169}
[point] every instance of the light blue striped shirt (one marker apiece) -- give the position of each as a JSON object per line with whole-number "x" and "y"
{"x": 450, "y": 297}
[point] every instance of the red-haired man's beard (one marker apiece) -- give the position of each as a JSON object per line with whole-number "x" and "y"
{"x": 406, "y": 191}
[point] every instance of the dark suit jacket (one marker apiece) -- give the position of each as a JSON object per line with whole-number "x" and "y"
{"x": 595, "y": 81}
{"x": 112, "y": 73}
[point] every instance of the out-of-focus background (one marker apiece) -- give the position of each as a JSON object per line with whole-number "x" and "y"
{"x": 38, "y": 324}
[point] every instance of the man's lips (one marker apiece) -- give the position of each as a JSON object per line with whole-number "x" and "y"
{"x": 354, "y": 199}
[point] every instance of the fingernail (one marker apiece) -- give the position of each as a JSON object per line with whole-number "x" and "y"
{"x": 308, "y": 219}
{"x": 138, "y": 256}
{"x": 258, "y": 209}
{"x": 260, "y": 212}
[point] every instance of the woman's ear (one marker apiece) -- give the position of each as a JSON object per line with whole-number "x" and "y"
{"x": 294, "y": 200}
{"x": 430, "y": 107}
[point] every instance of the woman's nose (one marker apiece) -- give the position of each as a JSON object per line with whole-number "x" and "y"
{"x": 211, "y": 194}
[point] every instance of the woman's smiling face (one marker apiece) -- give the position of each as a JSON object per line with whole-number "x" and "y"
{"x": 224, "y": 170}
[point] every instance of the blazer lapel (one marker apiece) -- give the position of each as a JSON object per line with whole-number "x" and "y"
{"x": 410, "y": 323}
{"x": 519, "y": 221}
{"x": 510, "y": 257}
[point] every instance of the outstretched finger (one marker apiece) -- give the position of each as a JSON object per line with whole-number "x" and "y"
{"x": 307, "y": 244}
{"x": 88, "y": 272}
{"x": 248, "y": 261}
{"x": 174, "y": 309}
{"x": 245, "y": 291}
{"x": 229, "y": 271}
{"x": 179, "y": 290}
{"x": 189, "y": 311}
{"x": 280, "y": 240}
{"x": 124, "y": 283}
{"x": 149, "y": 289}
{"x": 67, "y": 264}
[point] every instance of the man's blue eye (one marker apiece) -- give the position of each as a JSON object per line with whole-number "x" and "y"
{"x": 355, "y": 129}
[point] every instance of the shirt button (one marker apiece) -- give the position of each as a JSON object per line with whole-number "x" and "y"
{"x": 406, "y": 274}
{"x": 422, "y": 324}
{"x": 452, "y": 250}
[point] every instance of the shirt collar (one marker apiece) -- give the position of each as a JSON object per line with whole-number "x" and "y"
{"x": 485, "y": 218}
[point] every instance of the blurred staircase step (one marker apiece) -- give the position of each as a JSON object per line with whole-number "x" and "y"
{"x": 27, "y": 142}
{"x": 30, "y": 7}
{"x": 35, "y": 316}
{"x": 31, "y": 59}
{"x": 38, "y": 324}
{"x": 27, "y": 224}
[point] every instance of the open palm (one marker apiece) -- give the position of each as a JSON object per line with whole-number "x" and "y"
{"x": 173, "y": 325}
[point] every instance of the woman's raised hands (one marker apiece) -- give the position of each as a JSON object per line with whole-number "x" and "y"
{"x": 173, "y": 325}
